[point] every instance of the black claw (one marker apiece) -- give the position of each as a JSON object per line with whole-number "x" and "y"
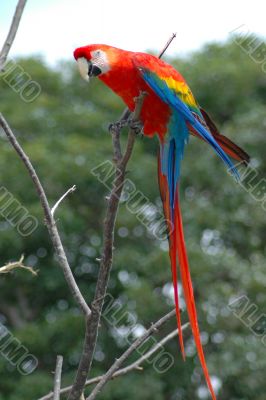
{"x": 117, "y": 126}
{"x": 136, "y": 126}
{"x": 113, "y": 127}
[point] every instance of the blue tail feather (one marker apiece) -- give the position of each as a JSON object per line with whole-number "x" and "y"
{"x": 171, "y": 154}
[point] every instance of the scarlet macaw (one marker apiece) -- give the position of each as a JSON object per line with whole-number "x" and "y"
{"x": 170, "y": 111}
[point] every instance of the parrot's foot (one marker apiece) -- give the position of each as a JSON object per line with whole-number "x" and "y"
{"x": 118, "y": 125}
{"x": 136, "y": 126}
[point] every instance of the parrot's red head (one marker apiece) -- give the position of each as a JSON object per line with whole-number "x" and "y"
{"x": 95, "y": 59}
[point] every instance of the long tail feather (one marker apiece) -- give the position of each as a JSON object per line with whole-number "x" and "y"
{"x": 229, "y": 147}
{"x": 173, "y": 257}
{"x": 177, "y": 248}
{"x": 232, "y": 149}
{"x": 164, "y": 192}
{"x": 171, "y": 154}
{"x": 188, "y": 290}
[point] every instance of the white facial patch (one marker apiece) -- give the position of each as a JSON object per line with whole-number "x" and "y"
{"x": 83, "y": 68}
{"x": 99, "y": 58}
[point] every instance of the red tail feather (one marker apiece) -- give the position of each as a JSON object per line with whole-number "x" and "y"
{"x": 188, "y": 291}
{"x": 172, "y": 249}
{"x": 177, "y": 248}
{"x": 173, "y": 254}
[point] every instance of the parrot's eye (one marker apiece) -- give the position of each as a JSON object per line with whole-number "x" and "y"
{"x": 97, "y": 53}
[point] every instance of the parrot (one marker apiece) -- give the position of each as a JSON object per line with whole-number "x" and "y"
{"x": 171, "y": 112}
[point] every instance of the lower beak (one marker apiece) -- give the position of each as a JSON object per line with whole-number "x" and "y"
{"x": 93, "y": 70}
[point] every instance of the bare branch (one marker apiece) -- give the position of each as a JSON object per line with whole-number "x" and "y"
{"x": 12, "y": 32}
{"x": 57, "y": 377}
{"x": 71, "y": 190}
{"x": 49, "y": 220}
{"x": 16, "y": 264}
{"x": 153, "y": 350}
{"x": 131, "y": 135}
{"x": 119, "y": 361}
{"x": 106, "y": 259}
{"x": 172, "y": 37}
{"x": 135, "y": 366}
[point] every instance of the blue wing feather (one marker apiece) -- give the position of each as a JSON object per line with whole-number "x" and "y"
{"x": 181, "y": 116}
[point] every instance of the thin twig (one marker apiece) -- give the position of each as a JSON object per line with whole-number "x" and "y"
{"x": 119, "y": 361}
{"x": 173, "y": 36}
{"x": 132, "y": 135}
{"x": 71, "y": 190}
{"x": 106, "y": 260}
{"x": 16, "y": 264}
{"x": 57, "y": 377}
{"x": 153, "y": 350}
{"x": 12, "y": 32}
{"x": 135, "y": 366}
{"x": 49, "y": 219}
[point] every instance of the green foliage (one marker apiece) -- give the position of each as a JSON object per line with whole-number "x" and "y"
{"x": 65, "y": 133}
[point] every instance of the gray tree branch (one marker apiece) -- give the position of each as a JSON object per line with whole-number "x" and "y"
{"x": 135, "y": 366}
{"x": 119, "y": 361}
{"x": 57, "y": 377}
{"x": 107, "y": 256}
{"x": 49, "y": 219}
{"x": 12, "y": 33}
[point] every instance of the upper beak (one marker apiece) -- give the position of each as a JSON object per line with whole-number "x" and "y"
{"x": 87, "y": 69}
{"x": 83, "y": 68}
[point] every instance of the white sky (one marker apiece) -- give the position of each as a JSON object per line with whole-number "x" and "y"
{"x": 54, "y": 28}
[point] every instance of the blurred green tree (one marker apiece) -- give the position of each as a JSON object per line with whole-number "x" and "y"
{"x": 65, "y": 133}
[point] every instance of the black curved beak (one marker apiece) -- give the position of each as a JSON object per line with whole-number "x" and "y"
{"x": 93, "y": 70}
